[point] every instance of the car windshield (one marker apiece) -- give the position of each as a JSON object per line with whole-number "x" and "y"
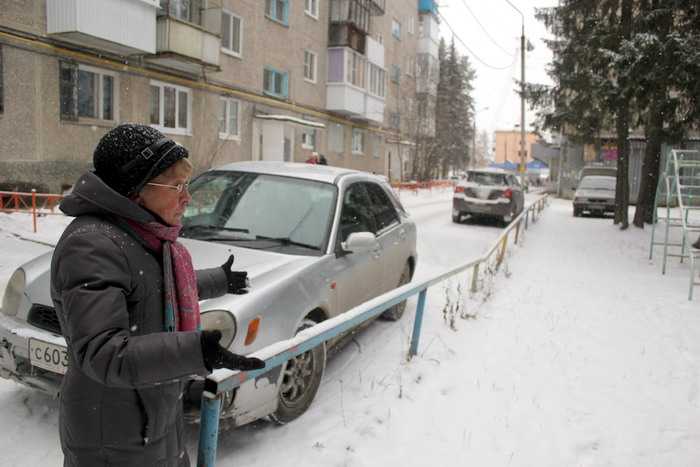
{"x": 260, "y": 211}
{"x": 485, "y": 178}
{"x": 598, "y": 183}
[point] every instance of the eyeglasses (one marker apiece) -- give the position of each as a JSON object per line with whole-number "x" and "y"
{"x": 180, "y": 187}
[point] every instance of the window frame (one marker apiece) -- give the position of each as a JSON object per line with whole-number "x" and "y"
{"x": 273, "y": 15}
{"x": 395, "y": 75}
{"x": 225, "y": 49}
{"x": 336, "y": 131}
{"x": 361, "y": 134}
{"x": 314, "y": 78}
{"x": 310, "y": 13}
{"x": 305, "y": 133}
{"x": 285, "y": 83}
{"x": 160, "y": 126}
{"x": 396, "y": 29}
{"x": 377, "y": 81}
{"x": 228, "y": 135}
{"x": 72, "y": 110}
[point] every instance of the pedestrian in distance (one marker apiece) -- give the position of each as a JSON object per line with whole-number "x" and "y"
{"x": 313, "y": 159}
{"x": 322, "y": 160}
{"x": 126, "y": 296}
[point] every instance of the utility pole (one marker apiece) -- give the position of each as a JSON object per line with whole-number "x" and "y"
{"x": 522, "y": 152}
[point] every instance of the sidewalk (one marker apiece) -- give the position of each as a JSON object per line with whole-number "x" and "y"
{"x": 590, "y": 353}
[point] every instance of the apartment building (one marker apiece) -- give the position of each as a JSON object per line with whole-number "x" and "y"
{"x": 507, "y": 146}
{"x": 229, "y": 79}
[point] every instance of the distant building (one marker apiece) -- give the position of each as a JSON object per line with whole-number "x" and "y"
{"x": 507, "y": 146}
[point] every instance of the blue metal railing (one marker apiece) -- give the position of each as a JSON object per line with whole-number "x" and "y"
{"x": 221, "y": 381}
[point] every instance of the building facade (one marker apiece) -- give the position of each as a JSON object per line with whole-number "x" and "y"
{"x": 507, "y": 146}
{"x": 231, "y": 80}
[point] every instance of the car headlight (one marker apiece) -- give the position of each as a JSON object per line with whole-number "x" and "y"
{"x": 13, "y": 293}
{"x": 221, "y": 320}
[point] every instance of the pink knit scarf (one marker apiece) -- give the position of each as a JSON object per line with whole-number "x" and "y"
{"x": 181, "y": 299}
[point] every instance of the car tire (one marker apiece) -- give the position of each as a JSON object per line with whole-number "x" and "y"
{"x": 396, "y": 312}
{"x": 457, "y": 219}
{"x": 508, "y": 218}
{"x": 301, "y": 378}
{"x": 577, "y": 212}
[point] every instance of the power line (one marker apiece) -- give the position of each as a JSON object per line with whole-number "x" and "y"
{"x": 515, "y": 56}
{"x": 485, "y": 30}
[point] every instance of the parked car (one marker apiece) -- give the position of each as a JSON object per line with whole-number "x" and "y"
{"x": 488, "y": 193}
{"x": 595, "y": 195}
{"x": 597, "y": 169}
{"x": 316, "y": 241}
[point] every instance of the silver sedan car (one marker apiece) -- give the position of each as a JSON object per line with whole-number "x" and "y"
{"x": 316, "y": 241}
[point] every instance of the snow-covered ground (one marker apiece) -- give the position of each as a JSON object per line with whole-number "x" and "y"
{"x": 583, "y": 355}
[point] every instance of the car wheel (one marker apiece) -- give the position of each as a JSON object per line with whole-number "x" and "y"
{"x": 456, "y": 219}
{"x": 396, "y": 312}
{"x": 301, "y": 377}
{"x": 508, "y": 218}
{"x": 577, "y": 212}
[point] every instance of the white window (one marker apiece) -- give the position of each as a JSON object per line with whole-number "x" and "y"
{"x": 336, "y": 137}
{"x": 377, "y": 80}
{"x": 376, "y": 146}
{"x": 355, "y": 69}
{"x": 229, "y": 121}
{"x": 410, "y": 66}
{"x": 311, "y": 8}
{"x": 411, "y": 25}
{"x": 97, "y": 93}
{"x": 231, "y": 33}
{"x": 310, "y": 66}
{"x": 308, "y": 138}
{"x": 170, "y": 108}
{"x": 358, "y": 141}
{"x": 396, "y": 29}
{"x": 395, "y": 73}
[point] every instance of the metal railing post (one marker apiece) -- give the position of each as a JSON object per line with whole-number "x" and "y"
{"x": 420, "y": 307}
{"x": 34, "y": 208}
{"x": 475, "y": 278}
{"x": 517, "y": 232}
{"x": 502, "y": 253}
{"x": 209, "y": 429}
{"x": 527, "y": 217}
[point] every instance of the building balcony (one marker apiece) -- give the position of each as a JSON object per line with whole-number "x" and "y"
{"x": 351, "y": 77}
{"x": 186, "y": 46}
{"x": 427, "y": 6}
{"x": 374, "y": 108}
{"x": 122, "y": 27}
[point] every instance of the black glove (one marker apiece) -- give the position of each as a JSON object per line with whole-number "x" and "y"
{"x": 216, "y": 356}
{"x": 237, "y": 280}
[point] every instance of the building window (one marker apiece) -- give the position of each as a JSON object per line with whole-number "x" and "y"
{"x": 395, "y": 73}
{"x": 2, "y": 100}
{"x": 186, "y": 10}
{"x": 358, "y": 141}
{"x": 170, "y": 108}
{"x": 377, "y": 80}
{"x": 87, "y": 92}
{"x": 396, "y": 29}
{"x": 308, "y": 138}
{"x": 395, "y": 120}
{"x": 355, "y": 69}
{"x": 376, "y": 146}
{"x": 309, "y": 66}
{"x": 229, "y": 127}
{"x": 411, "y": 25}
{"x": 410, "y": 66}
{"x": 277, "y": 10}
{"x": 275, "y": 83}
{"x": 336, "y": 137}
{"x": 380, "y": 38}
{"x": 311, "y": 8}
{"x": 231, "y": 33}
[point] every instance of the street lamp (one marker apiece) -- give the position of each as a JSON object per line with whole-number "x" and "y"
{"x": 522, "y": 152}
{"x": 474, "y": 136}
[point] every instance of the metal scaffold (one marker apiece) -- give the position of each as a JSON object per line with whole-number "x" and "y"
{"x": 678, "y": 199}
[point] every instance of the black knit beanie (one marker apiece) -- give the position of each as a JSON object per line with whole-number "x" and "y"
{"x": 130, "y": 154}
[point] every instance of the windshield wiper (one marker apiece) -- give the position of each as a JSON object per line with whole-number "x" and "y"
{"x": 284, "y": 241}
{"x": 212, "y": 230}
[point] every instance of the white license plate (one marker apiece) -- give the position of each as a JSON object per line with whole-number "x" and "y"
{"x": 48, "y": 356}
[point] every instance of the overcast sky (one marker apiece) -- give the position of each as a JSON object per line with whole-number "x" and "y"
{"x": 497, "y": 45}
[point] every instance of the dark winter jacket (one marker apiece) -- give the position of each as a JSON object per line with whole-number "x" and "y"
{"x": 121, "y": 399}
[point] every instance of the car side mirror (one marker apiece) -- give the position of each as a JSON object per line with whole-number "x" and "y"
{"x": 359, "y": 242}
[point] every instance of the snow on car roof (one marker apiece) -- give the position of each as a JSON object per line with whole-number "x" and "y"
{"x": 317, "y": 172}
{"x": 490, "y": 170}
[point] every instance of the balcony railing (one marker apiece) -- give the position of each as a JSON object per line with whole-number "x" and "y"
{"x": 185, "y": 46}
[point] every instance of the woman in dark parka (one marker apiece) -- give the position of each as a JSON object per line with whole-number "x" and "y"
{"x": 127, "y": 299}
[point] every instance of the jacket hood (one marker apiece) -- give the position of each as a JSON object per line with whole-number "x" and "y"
{"x": 92, "y": 196}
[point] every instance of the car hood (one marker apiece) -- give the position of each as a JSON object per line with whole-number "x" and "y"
{"x": 263, "y": 267}
{"x": 600, "y": 194}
